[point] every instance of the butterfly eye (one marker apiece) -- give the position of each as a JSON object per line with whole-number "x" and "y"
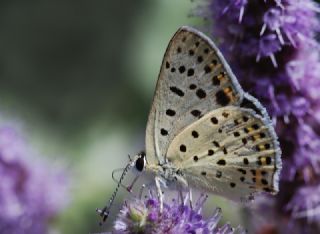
{"x": 140, "y": 162}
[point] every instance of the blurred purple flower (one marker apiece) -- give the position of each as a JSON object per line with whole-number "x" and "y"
{"x": 302, "y": 208}
{"x": 31, "y": 191}
{"x": 143, "y": 216}
{"x": 271, "y": 47}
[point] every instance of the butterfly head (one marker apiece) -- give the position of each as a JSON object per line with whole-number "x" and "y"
{"x": 140, "y": 162}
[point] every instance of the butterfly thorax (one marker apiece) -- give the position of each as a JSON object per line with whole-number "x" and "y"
{"x": 170, "y": 174}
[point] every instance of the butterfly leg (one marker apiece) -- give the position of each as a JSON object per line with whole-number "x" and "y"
{"x": 181, "y": 196}
{"x": 143, "y": 187}
{"x": 159, "y": 192}
{"x": 141, "y": 190}
{"x": 190, "y": 198}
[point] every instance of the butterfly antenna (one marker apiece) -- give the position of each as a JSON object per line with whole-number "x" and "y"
{"x": 104, "y": 213}
{"x": 117, "y": 181}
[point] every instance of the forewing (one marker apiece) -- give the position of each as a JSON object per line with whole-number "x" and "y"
{"x": 194, "y": 79}
{"x": 231, "y": 151}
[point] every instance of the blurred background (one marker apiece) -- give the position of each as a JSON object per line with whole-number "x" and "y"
{"x": 79, "y": 78}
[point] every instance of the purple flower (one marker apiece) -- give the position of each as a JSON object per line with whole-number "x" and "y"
{"x": 302, "y": 208}
{"x": 271, "y": 47}
{"x": 144, "y": 216}
{"x": 31, "y": 192}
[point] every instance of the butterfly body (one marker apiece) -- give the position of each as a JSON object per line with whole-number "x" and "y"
{"x": 171, "y": 176}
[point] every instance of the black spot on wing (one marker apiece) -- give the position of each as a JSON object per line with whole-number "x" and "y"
{"x": 244, "y": 141}
{"x": 214, "y": 120}
{"x": 225, "y": 150}
{"x": 190, "y": 72}
{"x": 216, "y": 144}
{"x": 214, "y": 62}
{"x": 268, "y": 160}
{"x": 245, "y": 161}
{"x": 201, "y": 93}
{"x": 163, "y": 132}
{"x": 196, "y": 113}
{"x": 236, "y": 134}
{"x": 225, "y": 114}
{"x": 246, "y": 103}
{"x": 182, "y": 69}
{"x": 195, "y": 134}
{"x": 177, "y": 91}
{"x": 242, "y": 171}
{"x": 221, "y": 162}
{"x": 222, "y": 98}
{"x": 262, "y": 135}
{"x": 170, "y": 112}
{"x": 183, "y": 148}
{"x": 255, "y": 126}
{"x": 192, "y": 86}
{"x": 207, "y": 69}
{"x": 215, "y": 81}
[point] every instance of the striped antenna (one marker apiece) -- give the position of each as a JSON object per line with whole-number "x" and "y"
{"x": 104, "y": 213}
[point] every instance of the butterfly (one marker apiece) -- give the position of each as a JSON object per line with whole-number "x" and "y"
{"x": 203, "y": 130}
